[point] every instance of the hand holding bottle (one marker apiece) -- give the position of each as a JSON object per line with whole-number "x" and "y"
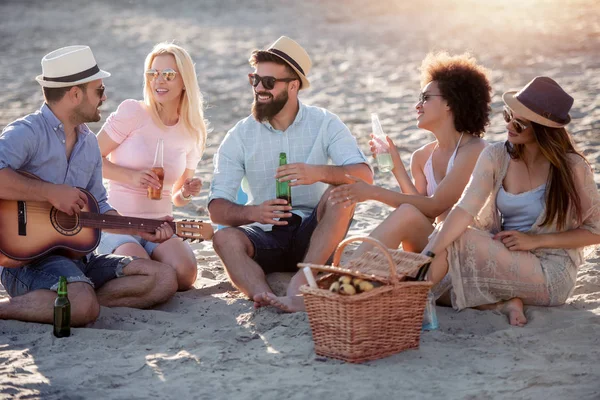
{"x": 145, "y": 179}
{"x": 381, "y": 146}
{"x": 392, "y": 149}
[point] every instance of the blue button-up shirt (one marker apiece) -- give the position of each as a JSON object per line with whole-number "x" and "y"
{"x": 36, "y": 144}
{"x": 250, "y": 151}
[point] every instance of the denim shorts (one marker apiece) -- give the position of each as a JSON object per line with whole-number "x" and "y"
{"x": 110, "y": 241}
{"x": 281, "y": 249}
{"x": 45, "y": 272}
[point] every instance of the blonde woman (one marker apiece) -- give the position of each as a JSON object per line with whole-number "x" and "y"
{"x": 172, "y": 110}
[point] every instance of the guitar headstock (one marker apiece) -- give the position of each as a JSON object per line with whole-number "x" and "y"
{"x": 194, "y": 230}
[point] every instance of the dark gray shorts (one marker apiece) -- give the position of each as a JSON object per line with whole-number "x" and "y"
{"x": 281, "y": 249}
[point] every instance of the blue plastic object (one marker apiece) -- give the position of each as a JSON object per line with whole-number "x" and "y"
{"x": 430, "y": 321}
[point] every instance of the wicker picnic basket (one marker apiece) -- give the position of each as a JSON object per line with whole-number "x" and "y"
{"x": 373, "y": 324}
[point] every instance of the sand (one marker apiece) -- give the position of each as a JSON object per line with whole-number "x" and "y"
{"x": 209, "y": 342}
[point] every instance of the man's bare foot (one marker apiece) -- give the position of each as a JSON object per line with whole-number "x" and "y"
{"x": 286, "y": 303}
{"x": 261, "y": 300}
{"x": 513, "y": 309}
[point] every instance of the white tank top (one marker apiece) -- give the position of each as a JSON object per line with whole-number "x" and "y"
{"x": 428, "y": 169}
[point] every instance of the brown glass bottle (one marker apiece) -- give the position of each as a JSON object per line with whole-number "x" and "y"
{"x": 157, "y": 168}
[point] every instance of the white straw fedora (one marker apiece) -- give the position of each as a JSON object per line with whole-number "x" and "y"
{"x": 293, "y": 54}
{"x": 69, "y": 66}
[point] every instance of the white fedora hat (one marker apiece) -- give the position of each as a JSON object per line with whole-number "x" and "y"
{"x": 69, "y": 66}
{"x": 293, "y": 54}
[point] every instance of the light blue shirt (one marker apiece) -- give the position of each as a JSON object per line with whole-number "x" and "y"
{"x": 520, "y": 211}
{"x": 36, "y": 144}
{"x": 251, "y": 150}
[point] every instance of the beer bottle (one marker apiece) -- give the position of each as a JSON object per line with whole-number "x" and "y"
{"x": 157, "y": 168}
{"x": 283, "y": 189}
{"x": 62, "y": 310}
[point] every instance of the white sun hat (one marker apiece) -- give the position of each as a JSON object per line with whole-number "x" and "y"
{"x": 69, "y": 66}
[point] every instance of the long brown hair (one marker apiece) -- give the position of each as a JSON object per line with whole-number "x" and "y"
{"x": 561, "y": 195}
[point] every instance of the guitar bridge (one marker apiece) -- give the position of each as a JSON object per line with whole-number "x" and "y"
{"x": 22, "y": 218}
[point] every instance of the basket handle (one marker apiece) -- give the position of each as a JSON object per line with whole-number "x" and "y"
{"x": 374, "y": 242}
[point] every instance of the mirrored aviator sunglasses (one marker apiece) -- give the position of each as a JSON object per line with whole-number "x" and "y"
{"x": 508, "y": 117}
{"x": 167, "y": 74}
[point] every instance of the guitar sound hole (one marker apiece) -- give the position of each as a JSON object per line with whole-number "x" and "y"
{"x": 65, "y": 221}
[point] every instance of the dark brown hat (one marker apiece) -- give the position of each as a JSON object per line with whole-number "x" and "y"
{"x": 543, "y": 101}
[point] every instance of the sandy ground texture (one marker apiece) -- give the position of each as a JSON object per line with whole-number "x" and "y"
{"x": 209, "y": 342}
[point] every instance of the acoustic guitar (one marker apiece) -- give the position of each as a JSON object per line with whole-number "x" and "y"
{"x": 34, "y": 229}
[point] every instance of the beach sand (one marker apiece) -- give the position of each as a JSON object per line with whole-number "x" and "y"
{"x": 209, "y": 342}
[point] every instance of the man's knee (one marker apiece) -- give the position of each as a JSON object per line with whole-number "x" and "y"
{"x": 84, "y": 305}
{"x": 231, "y": 240}
{"x": 161, "y": 282}
{"x": 336, "y": 210}
{"x": 166, "y": 283}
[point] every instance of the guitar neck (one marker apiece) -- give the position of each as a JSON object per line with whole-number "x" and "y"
{"x": 103, "y": 221}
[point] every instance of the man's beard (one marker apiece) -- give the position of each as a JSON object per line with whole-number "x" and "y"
{"x": 83, "y": 116}
{"x": 265, "y": 111}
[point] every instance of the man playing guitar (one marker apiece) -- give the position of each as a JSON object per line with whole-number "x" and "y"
{"x": 55, "y": 144}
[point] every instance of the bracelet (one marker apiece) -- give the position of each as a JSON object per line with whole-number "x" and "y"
{"x": 185, "y": 198}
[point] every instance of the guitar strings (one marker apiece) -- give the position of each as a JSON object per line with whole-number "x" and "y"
{"x": 32, "y": 208}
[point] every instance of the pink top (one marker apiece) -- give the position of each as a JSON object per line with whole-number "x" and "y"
{"x": 133, "y": 128}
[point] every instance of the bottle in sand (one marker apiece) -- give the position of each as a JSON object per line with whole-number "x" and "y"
{"x": 430, "y": 320}
{"x": 157, "y": 168}
{"x": 62, "y": 310}
{"x": 382, "y": 148}
{"x": 283, "y": 189}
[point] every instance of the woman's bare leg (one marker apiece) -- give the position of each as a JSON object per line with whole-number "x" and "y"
{"x": 179, "y": 255}
{"x": 406, "y": 225}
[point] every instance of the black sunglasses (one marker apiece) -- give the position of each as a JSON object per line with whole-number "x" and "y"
{"x": 508, "y": 116}
{"x": 268, "y": 82}
{"x": 100, "y": 91}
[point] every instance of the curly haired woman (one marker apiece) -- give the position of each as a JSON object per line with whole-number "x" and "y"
{"x": 454, "y": 105}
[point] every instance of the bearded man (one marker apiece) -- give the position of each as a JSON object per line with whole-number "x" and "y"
{"x": 267, "y": 234}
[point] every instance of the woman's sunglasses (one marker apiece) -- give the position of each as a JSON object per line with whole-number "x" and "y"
{"x": 268, "y": 82}
{"x": 508, "y": 117}
{"x": 423, "y": 97}
{"x": 167, "y": 74}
